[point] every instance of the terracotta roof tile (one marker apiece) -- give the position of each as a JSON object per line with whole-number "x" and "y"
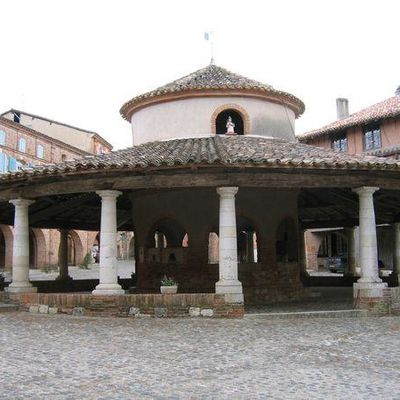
{"x": 234, "y": 151}
{"x": 211, "y": 77}
{"x": 388, "y": 108}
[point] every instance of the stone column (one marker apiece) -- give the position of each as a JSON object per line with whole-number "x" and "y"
{"x": 108, "y": 245}
{"x": 20, "y": 261}
{"x": 396, "y": 252}
{"x": 369, "y": 284}
{"x": 250, "y": 246}
{"x": 351, "y": 234}
{"x": 228, "y": 283}
{"x": 63, "y": 256}
{"x": 303, "y": 253}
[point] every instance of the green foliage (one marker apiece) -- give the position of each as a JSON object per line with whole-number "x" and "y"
{"x": 168, "y": 281}
{"x": 88, "y": 260}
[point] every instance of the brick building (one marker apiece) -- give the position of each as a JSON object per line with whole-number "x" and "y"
{"x": 373, "y": 131}
{"x": 27, "y": 140}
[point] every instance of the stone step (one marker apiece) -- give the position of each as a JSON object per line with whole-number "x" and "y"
{"x": 310, "y": 314}
{"x": 8, "y": 307}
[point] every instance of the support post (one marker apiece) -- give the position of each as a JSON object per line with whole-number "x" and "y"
{"x": 351, "y": 269}
{"x": 108, "y": 245}
{"x": 63, "y": 256}
{"x": 369, "y": 285}
{"x": 20, "y": 265}
{"x": 228, "y": 283}
{"x": 303, "y": 253}
{"x": 396, "y": 253}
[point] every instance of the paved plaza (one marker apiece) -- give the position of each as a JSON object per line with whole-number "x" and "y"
{"x": 64, "y": 357}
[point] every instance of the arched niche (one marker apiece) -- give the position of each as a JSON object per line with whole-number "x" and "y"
{"x": 167, "y": 242}
{"x": 246, "y": 241}
{"x": 239, "y": 117}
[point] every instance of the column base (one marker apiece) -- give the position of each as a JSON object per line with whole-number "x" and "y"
{"x": 20, "y": 288}
{"x": 368, "y": 289}
{"x": 64, "y": 278}
{"x": 107, "y": 289}
{"x": 231, "y": 289}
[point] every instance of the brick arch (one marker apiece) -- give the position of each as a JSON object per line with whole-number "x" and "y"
{"x": 231, "y": 106}
{"x": 79, "y": 251}
{"x": 39, "y": 247}
{"x": 8, "y": 235}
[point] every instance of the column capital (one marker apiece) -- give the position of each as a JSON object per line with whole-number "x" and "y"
{"x": 108, "y": 193}
{"x": 227, "y": 191}
{"x": 365, "y": 190}
{"x": 21, "y": 202}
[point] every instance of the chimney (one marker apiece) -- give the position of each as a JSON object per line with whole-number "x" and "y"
{"x": 342, "y": 108}
{"x": 397, "y": 92}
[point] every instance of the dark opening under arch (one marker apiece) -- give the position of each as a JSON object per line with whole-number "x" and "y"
{"x": 222, "y": 118}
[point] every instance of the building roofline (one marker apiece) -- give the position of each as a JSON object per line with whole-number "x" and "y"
{"x": 41, "y": 135}
{"x": 389, "y": 108}
{"x": 12, "y": 110}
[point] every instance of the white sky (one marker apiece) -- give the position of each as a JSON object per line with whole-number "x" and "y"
{"x": 78, "y": 61}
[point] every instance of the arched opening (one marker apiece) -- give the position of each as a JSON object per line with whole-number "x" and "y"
{"x": 75, "y": 248}
{"x": 38, "y": 256}
{"x": 332, "y": 252}
{"x": 222, "y": 120}
{"x": 6, "y": 246}
{"x": 246, "y": 241}
{"x": 286, "y": 241}
{"x": 167, "y": 242}
{"x": 213, "y": 248}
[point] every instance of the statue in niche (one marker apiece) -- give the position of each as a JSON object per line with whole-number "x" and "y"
{"x": 230, "y": 127}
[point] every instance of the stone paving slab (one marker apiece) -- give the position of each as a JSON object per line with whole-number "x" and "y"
{"x": 65, "y": 357}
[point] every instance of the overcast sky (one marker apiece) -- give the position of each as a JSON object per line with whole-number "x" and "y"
{"x": 78, "y": 61}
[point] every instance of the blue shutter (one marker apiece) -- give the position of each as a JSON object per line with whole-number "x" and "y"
{"x": 12, "y": 164}
{"x": 2, "y": 137}
{"x": 2, "y": 163}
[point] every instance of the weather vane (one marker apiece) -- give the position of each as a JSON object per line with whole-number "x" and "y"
{"x": 209, "y": 37}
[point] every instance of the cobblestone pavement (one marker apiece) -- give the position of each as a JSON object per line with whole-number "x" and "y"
{"x": 64, "y": 357}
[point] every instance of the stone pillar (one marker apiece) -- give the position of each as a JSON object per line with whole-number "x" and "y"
{"x": 108, "y": 245}
{"x": 228, "y": 283}
{"x": 63, "y": 256}
{"x": 351, "y": 234}
{"x": 20, "y": 262}
{"x": 250, "y": 246}
{"x": 396, "y": 253}
{"x": 303, "y": 253}
{"x": 369, "y": 285}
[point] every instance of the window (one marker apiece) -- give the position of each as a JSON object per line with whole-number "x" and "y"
{"x": 22, "y": 145}
{"x": 3, "y": 163}
{"x": 17, "y": 117}
{"x": 63, "y": 157}
{"x": 372, "y": 137}
{"x": 339, "y": 143}
{"x": 2, "y": 137}
{"x": 39, "y": 151}
{"x": 12, "y": 164}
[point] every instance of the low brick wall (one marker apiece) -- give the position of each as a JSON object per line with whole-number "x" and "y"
{"x": 159, "y": 305}
{"x": 389, "y": 303}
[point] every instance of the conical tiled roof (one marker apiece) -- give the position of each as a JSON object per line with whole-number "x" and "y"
{"x": 212, "y": 78}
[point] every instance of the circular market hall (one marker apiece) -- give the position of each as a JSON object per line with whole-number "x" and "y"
{"x": 218, "y": 192}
